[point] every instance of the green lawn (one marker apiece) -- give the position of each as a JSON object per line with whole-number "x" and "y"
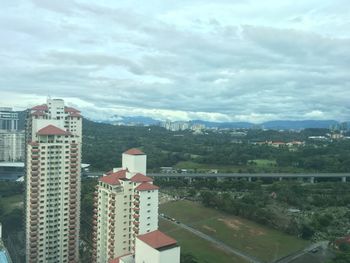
{"x": 203, "y": 166}
{"x": 265, "y": 243}
{"x": 203, "y": 250}
{"x": 264, "y": 162}
{"x": 12, "y": 202}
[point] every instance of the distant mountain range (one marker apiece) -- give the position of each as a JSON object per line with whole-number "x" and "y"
{"x": 274, "y": 125}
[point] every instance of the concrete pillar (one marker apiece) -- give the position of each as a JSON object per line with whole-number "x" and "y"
{"x": 190, "y": 180}
{"x": 280, "y": 178}
{"x": 343, "y": 179}
{"x": 249, "y": 179}
{"x": 312, "y": 180}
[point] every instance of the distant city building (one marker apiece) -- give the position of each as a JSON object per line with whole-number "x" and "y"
{"x": 182, "y": 126}
{"x": 11, "y": 140}
{"x": 11, "y": 146}
{"x": 53, "y": 157}
{"x": 126, "y": 217}
{"x": 8, "y": 119}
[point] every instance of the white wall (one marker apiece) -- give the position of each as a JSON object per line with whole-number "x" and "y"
{"x": 147, "y": 254}
{"x": 148, "y": 211}
{"x": 135, "y": 163}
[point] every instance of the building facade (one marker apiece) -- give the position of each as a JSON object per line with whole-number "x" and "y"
{"x": 11, "y": 146}
{"x": 126, "y": 207}
{"x": 53, "y": 158}
{"x": 11, "y": 140}
{"x": 8, "y": 119}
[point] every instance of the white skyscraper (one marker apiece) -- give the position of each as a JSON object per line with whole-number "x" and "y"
{"x": 126, "y": 216}
{"x": 53, "y": 158}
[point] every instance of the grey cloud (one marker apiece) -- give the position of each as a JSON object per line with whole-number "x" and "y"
{"x": 119, "y": 59}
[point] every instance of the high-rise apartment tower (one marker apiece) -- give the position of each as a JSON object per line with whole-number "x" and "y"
{"x": 53, "y": 158}
{"x": 126, "y": 217}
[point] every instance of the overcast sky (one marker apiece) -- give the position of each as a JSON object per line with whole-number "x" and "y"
{"x": 223, "y": 60}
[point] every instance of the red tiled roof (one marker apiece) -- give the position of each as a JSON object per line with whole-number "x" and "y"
{"x": 74, "y": 114}
{"x": 140, "y": 178}
{"x": 157, "y": 239}
{"x": 70, "y": 109}
{"x": 40, "y": 107}
{"x": 146, "y": 187}
{"x": 113, "y": 178}
{"x": 38, "y": 113}
{"x": 52, "y": 130}
{"x": 134, "y": 151}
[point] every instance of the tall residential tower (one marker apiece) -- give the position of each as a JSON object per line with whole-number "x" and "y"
{"x": 126, "y": 217}
{"x": 53, "y": 158}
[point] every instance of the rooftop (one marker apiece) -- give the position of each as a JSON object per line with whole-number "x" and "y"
{"x": 113, "y": 178}
{"x": 52, "y": 130}
{"x": 71, "y": 109}
{"x": 140, "y": 178}
{"x": 157, "y": 239}
{"x": 134, "y": 151}
{"x": 146, "y": 187}
{"x": 42, "y": 107}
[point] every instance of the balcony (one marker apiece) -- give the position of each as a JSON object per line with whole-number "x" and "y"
{"x": 34, "y": 193}
{"x": 36, "y": 172}
{"x": 35, "y": 162}
{"x": 34, "y": 150}
{"x": 72, "y": 221}
{"x": 33, "y": 228}
{"x": 73, "y": 170}
{"x": 136, "y": 216}
{"x": 136, "y": 209}
{"x": 136, "y": 223}
{"x": 33, "y": 239}
{"x": 94, "y": 222}
{"x": 136, "y": 230}
{"x": 34, "y": 246}
{"x": 72, "y": 232}
{"x": 136, "y": 195}
{"x": 136, "y": 203}
{"x": 74, "y": 154}
{"x": 34, "y": 184}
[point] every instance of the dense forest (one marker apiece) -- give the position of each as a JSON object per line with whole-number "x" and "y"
{"x": 104, "y": 143}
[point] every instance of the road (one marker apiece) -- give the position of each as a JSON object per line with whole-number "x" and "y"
{"x": 218, "y": 243}
{"x": 296, "y": 255}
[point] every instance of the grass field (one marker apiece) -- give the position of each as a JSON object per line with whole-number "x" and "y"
{"x": 203, "y": 166}
{"x": 257, "y": 165}
{"x": 12, "y": 202}
{"x": 203, "y": 250}
{"x": 264, "y": 243}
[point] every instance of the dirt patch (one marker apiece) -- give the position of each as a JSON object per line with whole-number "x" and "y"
{"x": 231, "y": 223}
{"x": 256, "y": 232}
{"x": 209, "y": 228}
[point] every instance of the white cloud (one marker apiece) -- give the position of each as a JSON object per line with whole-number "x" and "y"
{"x": 224, "y": 60}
